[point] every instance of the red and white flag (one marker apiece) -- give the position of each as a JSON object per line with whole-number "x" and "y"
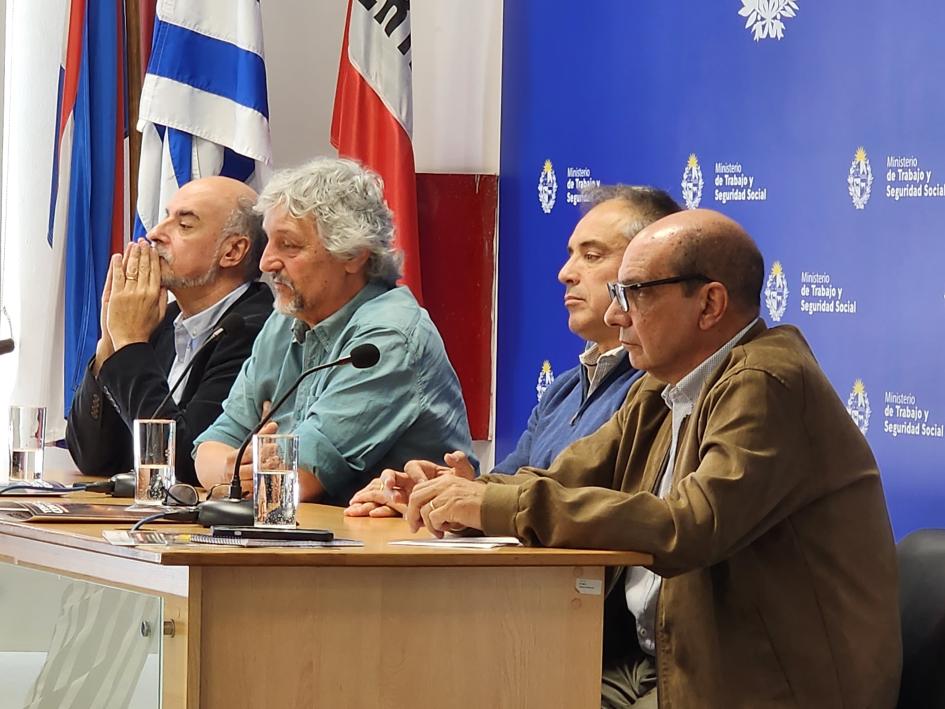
{"x": 373, "y": 113}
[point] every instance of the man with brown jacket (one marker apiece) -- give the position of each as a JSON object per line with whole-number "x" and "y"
{"x": 735, "y": 464}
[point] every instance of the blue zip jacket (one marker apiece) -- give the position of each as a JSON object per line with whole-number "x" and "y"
{"x": 565, "y": 414}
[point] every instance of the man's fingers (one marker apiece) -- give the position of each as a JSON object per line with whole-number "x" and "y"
{"x": 392, "y": 480}
{"x": 144, "y": 266}
{"x": 369, "y": 509}
{"x": 154, "y": 267}
{"x": 117, "y": 273}
{"x": 266, "y": 408}
{"x": 421, "y": 469}
{"x": 421, "y": 495}
{"x": 383, "y": 511}
{"x": 459, "y": 462}
{"x": 388, "y": 479}
{"x": 113, "y": 264}
{"x": 132, "y": 264}
{"x": 438, "y": 518}
{"x": 370, "y": 494}
{"x": 359, "y": 509}
{"x": 246, "y": 466}
{"x": 425, "y": 510}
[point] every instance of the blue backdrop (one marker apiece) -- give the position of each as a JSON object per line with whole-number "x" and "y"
{"x": 817, "y": 125}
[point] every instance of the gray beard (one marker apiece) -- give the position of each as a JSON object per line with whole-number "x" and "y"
{"x": 293, "y": 307}
{"x": 170, "y": 281}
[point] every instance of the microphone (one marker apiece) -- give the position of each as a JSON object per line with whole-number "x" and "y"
{"x": 230, "y": 325}
{"x": 120, "y": 485}
{"x": 234, "y": 510}
{"x": 6, "y": 346}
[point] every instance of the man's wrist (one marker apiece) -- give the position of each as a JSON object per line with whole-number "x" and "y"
{"x": 103, "y": 350}
{"x": 119, "y": 342}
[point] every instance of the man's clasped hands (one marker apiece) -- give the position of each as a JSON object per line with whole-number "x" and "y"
{"x": 442, "y": 498}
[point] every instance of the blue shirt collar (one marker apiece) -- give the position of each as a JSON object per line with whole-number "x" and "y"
{"x": 329, "y": 329}
{"x": 195, "y": 330}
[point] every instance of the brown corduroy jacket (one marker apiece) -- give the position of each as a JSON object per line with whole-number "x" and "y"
{"x": 780, "y": 578}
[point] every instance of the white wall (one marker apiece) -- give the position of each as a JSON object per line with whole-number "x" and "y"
{"x": 303, "y": 43}
{"x": 457, "y": 53}
{"x": 457, "y": 72}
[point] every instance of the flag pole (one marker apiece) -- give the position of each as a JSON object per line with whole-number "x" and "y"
{"x": 135, "y": 74}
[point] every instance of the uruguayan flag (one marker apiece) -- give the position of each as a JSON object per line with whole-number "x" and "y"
{"x": 204, "y": 109}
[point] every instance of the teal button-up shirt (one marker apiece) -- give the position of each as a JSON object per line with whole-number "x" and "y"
{"x": 353, "y": 423}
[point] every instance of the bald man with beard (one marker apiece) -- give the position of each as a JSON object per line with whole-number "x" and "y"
{"x": 206, "y": 253}
{"x": 735, "y": 464}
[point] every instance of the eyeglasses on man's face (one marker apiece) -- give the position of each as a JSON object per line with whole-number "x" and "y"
{"x": 626, "y": 294}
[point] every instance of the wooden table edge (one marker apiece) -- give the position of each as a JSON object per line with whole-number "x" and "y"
{"x": 59, "y": 533}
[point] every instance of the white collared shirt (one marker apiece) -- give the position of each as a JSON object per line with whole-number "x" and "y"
{"x": 190, "y": 333}
{"x": 642, "y": 586}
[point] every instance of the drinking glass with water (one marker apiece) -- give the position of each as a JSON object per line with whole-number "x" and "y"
{"x": 154, "y": 451}
{"x": 275, "y": 479}
{"x": 27, "y": 438}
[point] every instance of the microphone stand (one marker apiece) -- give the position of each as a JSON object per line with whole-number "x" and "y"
{"x": 229, "y": 324}
{"x": 234, "y": 510}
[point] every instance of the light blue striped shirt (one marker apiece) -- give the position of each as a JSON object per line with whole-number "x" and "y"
{"x": 190, "y": 334}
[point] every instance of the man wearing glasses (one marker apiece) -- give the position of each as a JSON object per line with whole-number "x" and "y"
{"x": 738, "y": 468}
{"x": 581, "y": 399}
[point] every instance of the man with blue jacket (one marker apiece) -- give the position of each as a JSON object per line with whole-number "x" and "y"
{"x": 581, "y": 399}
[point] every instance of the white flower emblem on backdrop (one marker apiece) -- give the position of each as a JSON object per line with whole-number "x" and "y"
{"x": 765, "y": 17}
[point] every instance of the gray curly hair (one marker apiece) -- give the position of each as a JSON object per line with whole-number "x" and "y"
{"x": 347, "y": 202}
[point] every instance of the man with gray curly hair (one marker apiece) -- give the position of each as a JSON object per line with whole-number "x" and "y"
{"x": 333, "y": 267}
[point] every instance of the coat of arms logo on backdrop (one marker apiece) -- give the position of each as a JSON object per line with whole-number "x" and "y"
{"x": 860, "y": 179}
{"x": 858, "y": 406}
{"x": 547, "y": 187}
{"x": 692, "y": 182}
{"x": 765, "y": 18}
{"x": 776, "y": 292}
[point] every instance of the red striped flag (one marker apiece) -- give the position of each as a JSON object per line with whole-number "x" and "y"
{"x": 373, "y": 113}
{"x": 87, "y": 202}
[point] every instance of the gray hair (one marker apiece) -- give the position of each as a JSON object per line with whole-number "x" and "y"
{"x": 644, "y": 204}
{"x": 347, "y": 202}
{"x": 244, "y": 220}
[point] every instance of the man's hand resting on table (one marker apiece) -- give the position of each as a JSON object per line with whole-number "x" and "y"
{"x": 388, "y": 494}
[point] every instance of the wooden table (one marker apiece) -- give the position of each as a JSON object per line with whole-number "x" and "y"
{"x": 371, "y": 626}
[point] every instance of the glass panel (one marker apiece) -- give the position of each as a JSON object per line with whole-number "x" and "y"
{"x": 65, "y": 642}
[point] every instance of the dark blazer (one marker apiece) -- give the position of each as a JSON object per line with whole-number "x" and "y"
{"x": 133, "y": 381}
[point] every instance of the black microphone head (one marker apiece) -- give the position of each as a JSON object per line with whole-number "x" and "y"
{"x": 232, "y": 324}
{"x": 6, "y": 346}
{"x": 364, "y": 356}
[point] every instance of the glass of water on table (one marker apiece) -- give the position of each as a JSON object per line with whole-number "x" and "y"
{"x": 154, "y": 452}
{"x": 275, "y": 479}
{"x": 27, "y": 438}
